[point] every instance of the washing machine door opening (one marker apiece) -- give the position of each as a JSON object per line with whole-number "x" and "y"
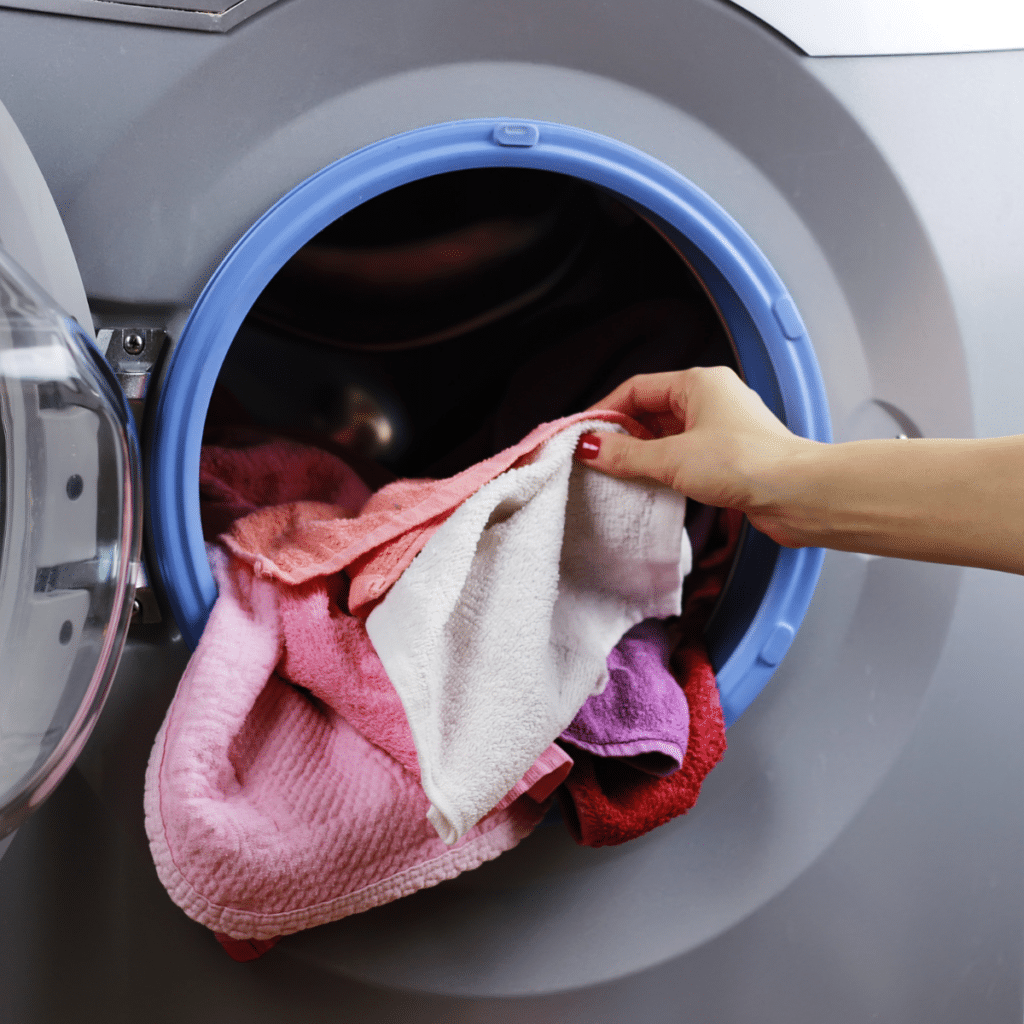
{"x": 478, "y": 280}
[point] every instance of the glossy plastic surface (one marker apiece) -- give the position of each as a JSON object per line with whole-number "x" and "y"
{"x": 69, "y": 539}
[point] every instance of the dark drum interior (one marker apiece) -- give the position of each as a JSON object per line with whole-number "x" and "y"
{"x": 438, "y": 323}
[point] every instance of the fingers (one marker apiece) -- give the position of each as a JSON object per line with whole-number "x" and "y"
{"x": 715, "y": 439}
{"x": 663, "y": 401}
{"x": 629, "y": 458}
{"x": 649, "y": 394}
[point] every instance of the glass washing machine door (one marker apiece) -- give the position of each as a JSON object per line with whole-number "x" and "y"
{"x": 70, "y": 501}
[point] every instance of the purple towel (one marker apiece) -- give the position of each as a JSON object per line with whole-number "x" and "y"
{"x": 641, "y": 716}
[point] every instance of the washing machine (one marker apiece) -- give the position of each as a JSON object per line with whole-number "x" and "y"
{"x": 835, "y": 188}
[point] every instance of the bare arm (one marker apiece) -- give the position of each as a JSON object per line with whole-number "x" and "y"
{"x": 956, "y": 501}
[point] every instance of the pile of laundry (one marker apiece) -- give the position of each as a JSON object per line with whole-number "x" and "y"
{"x": 393, "y": 685}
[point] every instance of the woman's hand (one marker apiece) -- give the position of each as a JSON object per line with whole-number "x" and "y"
{"x": 931, "y": 499}
{"x": 715, "y": 441}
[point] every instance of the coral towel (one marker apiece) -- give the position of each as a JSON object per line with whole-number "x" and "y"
{"x": 501, "y": 627}
{"x": 298, "y": 540}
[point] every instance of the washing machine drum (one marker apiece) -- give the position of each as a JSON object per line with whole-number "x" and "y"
{"x": 444, "y": 256}
{"x": 408, "y": 270}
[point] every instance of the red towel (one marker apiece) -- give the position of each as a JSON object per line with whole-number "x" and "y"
{"x": 606, "y": 802}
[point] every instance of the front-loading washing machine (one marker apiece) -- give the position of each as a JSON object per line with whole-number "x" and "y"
{"x": 839, "y": 195}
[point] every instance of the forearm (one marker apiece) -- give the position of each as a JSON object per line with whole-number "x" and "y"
{"x": 956, "y": 501}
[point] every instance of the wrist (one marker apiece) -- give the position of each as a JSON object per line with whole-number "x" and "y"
{"x": 789, "y": 496}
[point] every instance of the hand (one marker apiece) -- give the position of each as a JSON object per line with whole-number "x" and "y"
{"x": 715, "y": 441}
{"x": 934, "y": 499}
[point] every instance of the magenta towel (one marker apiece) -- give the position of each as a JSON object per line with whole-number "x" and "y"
{"x": 297, "y": 541}
{"x": 267, "y": 812}
{"x": 641, "y": 716}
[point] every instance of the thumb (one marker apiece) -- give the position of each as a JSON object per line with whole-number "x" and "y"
{"x": 628, "y": 457}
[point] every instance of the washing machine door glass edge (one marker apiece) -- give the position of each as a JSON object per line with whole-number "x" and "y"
{"x": 70, "y": 498}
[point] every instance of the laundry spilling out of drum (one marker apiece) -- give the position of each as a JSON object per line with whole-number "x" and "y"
{"x": 436, "y": 630}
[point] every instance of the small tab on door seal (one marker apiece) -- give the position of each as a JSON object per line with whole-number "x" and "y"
{"x": 511, "y": 134}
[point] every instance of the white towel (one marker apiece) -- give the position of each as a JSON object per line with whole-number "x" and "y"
{"x": 501, "y": 627}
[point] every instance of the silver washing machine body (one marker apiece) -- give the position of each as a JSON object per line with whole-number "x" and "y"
{"x": 856, "y": 855}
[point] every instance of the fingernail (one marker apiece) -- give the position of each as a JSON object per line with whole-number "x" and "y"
{"x": 589, "y": 446}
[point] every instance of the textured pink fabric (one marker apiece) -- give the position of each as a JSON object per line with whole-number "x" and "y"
{"x": 235, "y": 481}
{"x": 267, "y": 812}
{"x": 325, "y": 650}
{"x": 330, "y": 654}
{"x": 296, "y": 542}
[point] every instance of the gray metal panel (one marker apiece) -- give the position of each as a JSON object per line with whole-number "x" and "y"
{"x": 214, "y": 16}
{"x": 953, "y": 131}
{"x": 30, "y": 226}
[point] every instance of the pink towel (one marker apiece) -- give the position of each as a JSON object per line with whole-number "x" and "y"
{"x": 267, "y": 812}
{"x": 296, "y": 542}
{"x": 329, "y": 653}
{"x": 325, "y": 650}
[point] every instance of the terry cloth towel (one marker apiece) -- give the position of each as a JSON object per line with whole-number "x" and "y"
{"x": 297, "y": 541}
{"x": 266, "y": 811}
{"x": 233, "y": 482}
{"x": 642, "y": 716}
{"x": 606, "y": 802}
{"x": 327, "y": 651}
{"x": 501, "y": 628}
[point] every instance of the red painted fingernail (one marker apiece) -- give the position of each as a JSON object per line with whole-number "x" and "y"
{"x": 589, "y": 446}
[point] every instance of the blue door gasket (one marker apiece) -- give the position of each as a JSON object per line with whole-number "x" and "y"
{"x": 769, "y": 335}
